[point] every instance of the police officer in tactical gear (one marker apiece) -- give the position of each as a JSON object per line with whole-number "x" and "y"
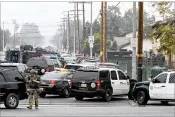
{"x": 33, "y": 89}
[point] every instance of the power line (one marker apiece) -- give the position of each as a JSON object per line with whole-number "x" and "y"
{"x": 114, "y": 7}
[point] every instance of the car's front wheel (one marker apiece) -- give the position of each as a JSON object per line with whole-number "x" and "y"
{"x": 11, "y": 101}
{"x": 79, "y": 97}
{"x": 108, "y": 95}
{"x": 142, "y": 98}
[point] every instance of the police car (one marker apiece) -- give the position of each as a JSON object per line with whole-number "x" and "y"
{"x": 99, "y": 82}
{"x": 161, "y": 88}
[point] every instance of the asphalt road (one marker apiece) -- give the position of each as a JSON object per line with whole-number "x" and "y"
{"x": 62, "y": 107}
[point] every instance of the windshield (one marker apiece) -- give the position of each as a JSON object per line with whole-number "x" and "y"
{"x": 60, "y": 75}
{"x": 9, "y": 67}
{"x": 72, "y": 67}
{"x": 108, "y": 66}
{"x": 37, "y": 62}
{"x": 85, "y": 75}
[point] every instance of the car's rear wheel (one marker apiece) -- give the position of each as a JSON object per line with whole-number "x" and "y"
{"x": 164, "y": 102}
{"x": 65, "y": 93}
{"x": 11, "y": 101}
{"x": 108, "y": 95}
{"x": 79, "y": 97}
{"x": 142, "y": 98}
{"x": 42, "y": 95}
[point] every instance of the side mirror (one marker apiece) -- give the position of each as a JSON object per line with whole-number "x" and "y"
{"x": 153, "y": 80}
{"x": 128, "y": 77}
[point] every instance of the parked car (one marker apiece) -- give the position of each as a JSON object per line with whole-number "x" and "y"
{"x": 41, "y": 64}
{"x": 161, "y": 88}
{"x": 100, "y": 82}
{"x": 15, "y": 66}
{"x": 12, "y": 88}
{"x": 57, "y": 83}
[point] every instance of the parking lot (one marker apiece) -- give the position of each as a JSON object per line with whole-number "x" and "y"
{"x": 119, "y": 106}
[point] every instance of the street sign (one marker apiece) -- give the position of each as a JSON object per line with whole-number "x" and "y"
{"x": 91, "y": 45}
{"x": 91, "y": 39}
{"x": 134, "y": 42}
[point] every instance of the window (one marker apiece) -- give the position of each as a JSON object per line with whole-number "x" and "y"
{"x": 69, "y": 77}
{"x": 85, "y": 75}
{"x": 172, "y": 78}
{"x": 113, "y": 75}
{"x": 104, "y": 75}
{"x": 12, "y": 75}
{"x": 2, "y": 78}
{"x": 121, "y": 75}
{"x": 161, "y": 78}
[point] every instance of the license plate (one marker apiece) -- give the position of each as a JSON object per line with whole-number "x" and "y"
{"x": 83, "y": 85}
{"x": 43, "y": 82}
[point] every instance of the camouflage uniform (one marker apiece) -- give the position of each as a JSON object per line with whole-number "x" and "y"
{"x": 33, "y": 88}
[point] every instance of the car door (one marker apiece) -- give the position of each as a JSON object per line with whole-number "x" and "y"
{"x": 2, "y": 85}
{"x": 123, "y": 82}
{"x": 157, "y": 88}
{"x": 114, "y": 82}
{"x": 170, "y": 87}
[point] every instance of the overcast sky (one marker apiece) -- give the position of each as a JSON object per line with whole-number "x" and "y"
{"x": 47, "y": 14}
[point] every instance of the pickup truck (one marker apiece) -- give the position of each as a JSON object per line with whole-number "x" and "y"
{"x": 161, "y": 88}
{"x": 12, "y": 88}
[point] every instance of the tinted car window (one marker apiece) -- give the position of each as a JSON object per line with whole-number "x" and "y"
{"x": 104, "y": 75}
{"x": 72, "y": 67}
{"x": 12, "y": 75}
{"x": 113, "y": 75}
{"x": 2, "y": 78}
{"x": 121, "y": 75}
{"x": 83, "y": 75}
{"x": 37, "y": 62}
{"x": 172, "y": 78}
{"x": 9, "y": 67}
{"x": 161, "y": 78}
{"x": 69, "y": 77}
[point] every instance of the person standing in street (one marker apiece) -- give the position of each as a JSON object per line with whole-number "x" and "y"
{"x": 33, "y": 89}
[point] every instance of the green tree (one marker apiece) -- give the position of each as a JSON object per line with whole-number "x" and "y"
{"x": 164, "y": 31}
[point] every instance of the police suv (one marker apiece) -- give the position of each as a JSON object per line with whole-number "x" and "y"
{"x": 99, "y": 82}
{"x": 161, "y": 88}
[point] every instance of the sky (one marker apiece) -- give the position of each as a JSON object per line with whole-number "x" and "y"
{"x": 47, "y": 14}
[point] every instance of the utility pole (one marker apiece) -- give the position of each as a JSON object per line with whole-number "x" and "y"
{"x": 78, "y": 36}
{"x": 101, "y": 34}
{"x": 140, "y": 42}
{"x": 134, "y": 41}
{"x": 83, "y": 22}
{"x": 3, "y": 39}
{"x": 91, "y": 32}
{"x": 105, "y": 32}
{"x": 75, "y": 28}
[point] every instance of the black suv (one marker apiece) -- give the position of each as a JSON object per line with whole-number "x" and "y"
{"x": 41, "y": 64}
{"x": 12, "y": 88}
{"x": 90, "y": 83}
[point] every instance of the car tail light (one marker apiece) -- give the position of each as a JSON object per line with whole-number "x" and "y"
{"x": 70, "y": 84}
{"x": 47, "y": 69}
{"x": 98, "y": 84}
{"x": 53, "y": 82}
